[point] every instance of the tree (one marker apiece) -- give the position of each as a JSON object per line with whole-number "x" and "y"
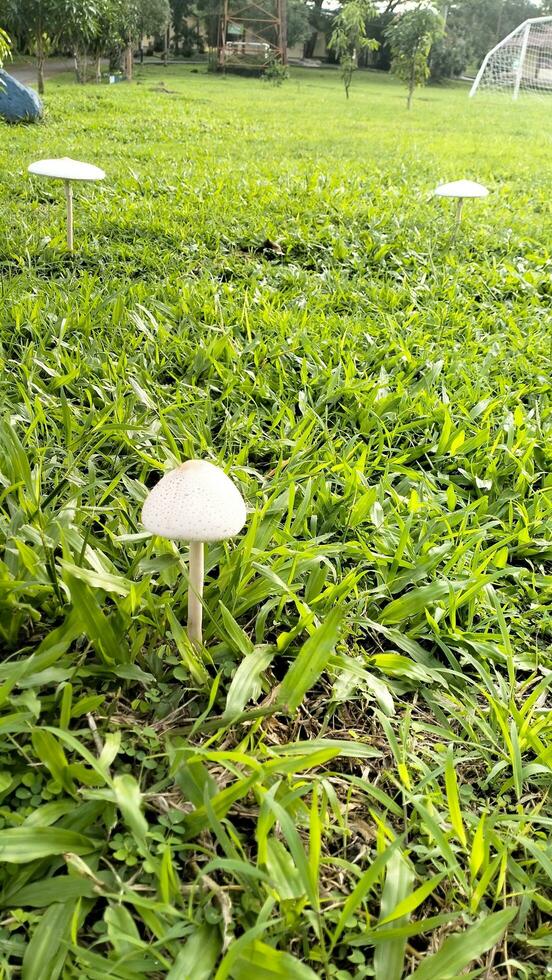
{"x": 209, "y": 11}
{"x": 180, "y": 10}
{"x": 105, "y": 36}
{"x": 298, "y": 23}
{"x": 39, "y": 24}
{"x": 33, "y": 23}
{"x": 137, "y": 18}
{"x": 320, "y": 22}
{"x": 448, "y": 58}
{"x": 4, "y": 52}
{"x": 153, "y": 17}
{"x": 480, "y": 24}
{"x": 78, "y": 25}
{"x": 349, "y": 36}
{"x": 4, "y": 46}
{"x": 410, "y": 37}
{"x": 120, "y": 26}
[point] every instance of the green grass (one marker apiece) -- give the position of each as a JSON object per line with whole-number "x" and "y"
{"x": 352, "y": 779}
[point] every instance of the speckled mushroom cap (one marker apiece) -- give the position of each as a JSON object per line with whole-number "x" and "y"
{"x": 66, "y": 169}
{"x": 461, "y": 188}
{"x": 195, "y": 502}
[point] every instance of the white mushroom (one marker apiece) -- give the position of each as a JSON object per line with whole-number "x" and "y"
{"x": 197, "y": 503}
{"x": 461, "y": 189}
{"x": 67, "y": 170}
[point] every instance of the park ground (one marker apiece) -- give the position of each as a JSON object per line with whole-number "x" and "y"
{"x": 352, "y": 778}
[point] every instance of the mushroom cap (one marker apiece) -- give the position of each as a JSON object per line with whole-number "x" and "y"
{"x": 66, "y": 169}
{"x": 194, "y": 502}
{"x": 461, "y": 188}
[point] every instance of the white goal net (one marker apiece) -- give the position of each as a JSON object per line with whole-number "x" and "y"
{"x": 521, "y": 62}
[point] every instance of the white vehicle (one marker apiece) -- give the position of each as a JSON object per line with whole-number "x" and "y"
{"x": 257, "y": 49}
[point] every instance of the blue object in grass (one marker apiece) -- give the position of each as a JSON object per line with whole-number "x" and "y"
{"x": 17, "y": 102}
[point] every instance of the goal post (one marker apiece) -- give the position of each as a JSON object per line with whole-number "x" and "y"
{"x": 521, "y": 62}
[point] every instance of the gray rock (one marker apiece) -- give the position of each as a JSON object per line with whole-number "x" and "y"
{"x": 17, "y": 102}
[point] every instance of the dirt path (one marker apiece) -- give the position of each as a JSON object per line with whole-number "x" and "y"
{"x": 25, "y": 72}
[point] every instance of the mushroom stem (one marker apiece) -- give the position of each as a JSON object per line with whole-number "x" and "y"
{"x": 459, "y": 206}
{"x": 195, "y": 591}
{"x": 69, "y": 196}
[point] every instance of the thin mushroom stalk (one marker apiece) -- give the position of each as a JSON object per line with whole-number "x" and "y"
{"x": 196, "y": 577}
{"x": 197, "y": 503}
{"x": 459, "y": 208}
{"x": 69, "y": 197}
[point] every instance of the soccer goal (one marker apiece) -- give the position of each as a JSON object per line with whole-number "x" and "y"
{"x": 521, "y": 62}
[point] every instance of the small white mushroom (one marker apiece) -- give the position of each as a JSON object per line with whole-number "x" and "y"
{"x": 461, "y": 189}
{"x": 67, "y": 170}
{"x": 197, "y": 503}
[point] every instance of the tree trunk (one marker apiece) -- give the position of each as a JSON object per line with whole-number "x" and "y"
{"x": 98, "y": 69}
{"x": 309, "y": 46}
{"x": 116, "y": 62}
{"x": 40, "y": 64}
{"x": 347, "y": 78}
{"x": 40, "y": 67}
{"x": 411, "y": 85}
{"x": 80, "y": 66}
{"x": 128, "y": 62}
{"x": 141, "y": 50}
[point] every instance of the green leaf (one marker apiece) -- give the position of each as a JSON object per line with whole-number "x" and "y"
{"x": 49, "y": 752}
{"x": 186, "y": 650}
{"x": 282, "y": 873}
{"x": 413, "y": 603}
{"x": 42, "y": 894}
{"x": 95, "y": 624}
{"x": 460, "y": 950}
{"x": 262, "y": 962}
{"x": 389, "y": 957}
{"x": 19, "y": 845}
{"x": 129, "y": 800}
{"x": 310, "y": 661}
{"x": 197, "y": 958}
{"x": 453, "y": 800}
{"x": 457, "y": 442}
{"x": 246, "y": 683}
{"x": 295, "y": 845}
{"x": 98, "y": 580}
{"x": 47, "y": 950}
{"x": 121, "y": 930}
{"x": 411, "y": 902}
{"x": 236, "y": 637}
{"x": 362, "y": 887}
{"x": 477, "y": 853}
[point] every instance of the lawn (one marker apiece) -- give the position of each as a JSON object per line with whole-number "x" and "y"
{"x": 351, "y": 779}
